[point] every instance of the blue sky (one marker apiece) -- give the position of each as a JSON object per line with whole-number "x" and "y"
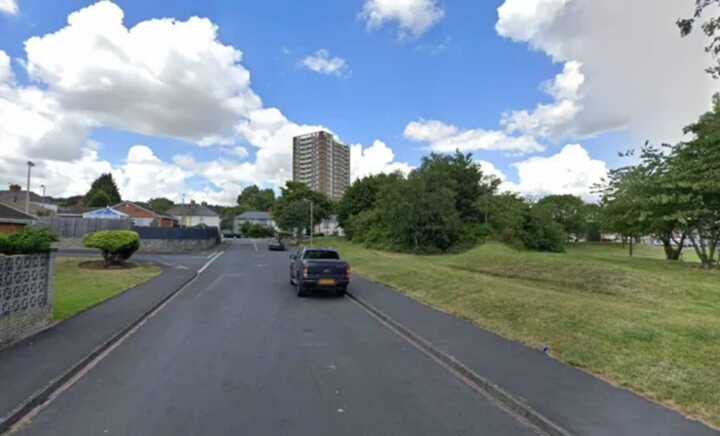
{"x": 456, "y": 73}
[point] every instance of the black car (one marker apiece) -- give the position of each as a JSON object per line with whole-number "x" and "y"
{"x": 318, "y": 269}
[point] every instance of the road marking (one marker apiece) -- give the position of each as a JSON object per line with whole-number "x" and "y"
{"x": 27, "y": 418}
{"x": 209, "y": 262}
{"x": 255, "y": 244}
{"x": 516, "y": 408}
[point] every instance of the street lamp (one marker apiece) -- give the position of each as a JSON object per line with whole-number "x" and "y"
{"x": 43, "y": 188}
{"x": 27, "y": 193}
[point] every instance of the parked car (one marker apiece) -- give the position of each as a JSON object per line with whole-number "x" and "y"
{"x": 276, "y": 245}
{"x": 318, "y": 269}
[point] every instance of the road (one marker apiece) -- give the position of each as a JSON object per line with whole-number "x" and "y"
{"x": 237, "y": 353}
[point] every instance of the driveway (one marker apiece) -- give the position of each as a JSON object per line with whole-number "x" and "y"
{"x": 236, "y": 352}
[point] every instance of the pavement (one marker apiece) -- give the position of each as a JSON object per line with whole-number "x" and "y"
{"x": 237, "y": 352}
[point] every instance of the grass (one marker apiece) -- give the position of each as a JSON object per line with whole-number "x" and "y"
{"x": 643, "y": 323}
{"x": 76, "y": 289}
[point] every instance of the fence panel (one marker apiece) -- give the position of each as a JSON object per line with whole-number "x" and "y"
{"x": 178, "y": 233}
{"x": 73, "y": 227}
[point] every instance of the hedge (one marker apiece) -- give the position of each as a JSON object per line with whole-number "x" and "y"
{"x": 30, "y": 240}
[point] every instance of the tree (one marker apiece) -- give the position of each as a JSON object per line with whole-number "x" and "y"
{"x": 161, "y": 204}
{"x": 362, "y": 196}
{"x": 106, "y": 184}
{"x": 292, "y": 209}
{"x": 695, "y": 170}
{"x": 254, "y": 198}
{"x": 567, "y": 210}
{"x": 711, "y": 28}
{"x": 98, "y": 198}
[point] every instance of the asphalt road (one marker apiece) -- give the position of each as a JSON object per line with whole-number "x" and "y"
{"x": 237, "y": 353}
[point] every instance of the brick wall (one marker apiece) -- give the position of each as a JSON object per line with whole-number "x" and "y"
{"x": 25, "y": 295}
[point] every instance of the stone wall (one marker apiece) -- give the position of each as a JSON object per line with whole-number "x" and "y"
{"x": 25, "y": 295}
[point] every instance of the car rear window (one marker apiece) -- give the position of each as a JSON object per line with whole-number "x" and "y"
{"x": 321, "y": 254}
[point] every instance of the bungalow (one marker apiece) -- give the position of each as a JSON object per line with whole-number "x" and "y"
{"x": 17, "y": 198}
{"x": 254, "y": 217}
{"x": 193, "y": 214}
{"x": 106, "y": 213}
{"x": 13, "y": 220}
{"x": 143, "y": 216}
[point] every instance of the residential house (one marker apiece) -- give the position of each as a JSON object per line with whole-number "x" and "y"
{"x": 193, "y": 214}
{"x": 16, "y": 197}
{"x": 106, "y": 213}
{"x": 13, "y": 220}
{"x": 329, "y": 226}
{"x": 143, "y": 216}
{"x": 254, "y": 217}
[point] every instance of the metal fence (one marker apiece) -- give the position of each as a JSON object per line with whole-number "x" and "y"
{"x": 72, "y": 227}
{"x": 178, "y": 233}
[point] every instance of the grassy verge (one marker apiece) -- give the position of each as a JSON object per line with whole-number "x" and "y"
{"x": 641, "y": 322}
{"x": 77, "y": 288}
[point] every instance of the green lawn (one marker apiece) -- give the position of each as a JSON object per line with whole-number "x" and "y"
{"x": 77, "y": 289}
{"x": 642, "y": 322}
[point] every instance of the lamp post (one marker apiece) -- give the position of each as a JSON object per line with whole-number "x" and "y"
{"x": 312, "y": 228}
{"x": 27, "y": 193}
{"x": 43, "y": 189}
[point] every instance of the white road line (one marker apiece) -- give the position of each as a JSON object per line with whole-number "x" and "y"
{"x": 255, "y": 244}
{"x": 209, "y": 262}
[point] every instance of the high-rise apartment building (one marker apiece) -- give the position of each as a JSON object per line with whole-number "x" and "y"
{"x": 322, "y": 163}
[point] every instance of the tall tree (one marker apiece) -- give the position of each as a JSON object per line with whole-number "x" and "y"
{"x": 106, "y": 184}
{"x": 254, "y": 198}
{"x": 711, "y": 28}
{"x": 161, "y": 204}
{"x": 567, "y": 210}
{"x": 362, "y": 195}
{"x": 292, "y": 209}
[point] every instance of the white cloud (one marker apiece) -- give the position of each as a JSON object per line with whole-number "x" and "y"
{"x": 240, "y": 152}
{"x": 9, "y": 7}
{"x": 6, "y": 73}
{"x": 643, "y": 78}
{"x": 321, "y": 62}
{"x": 375, "y": 159}
{"x": 489, "y": 169}
{"x": 161, "y": 77}
{"x": 571, "y": 171}
{"x": 448, "y": 138}
{"x": 413, "y": 17}
{"x": 557, "y": 119}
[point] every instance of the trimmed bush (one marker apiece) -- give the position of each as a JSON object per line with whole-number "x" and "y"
{"x": 30, "y": 240}
{"x": 116, "y": 246}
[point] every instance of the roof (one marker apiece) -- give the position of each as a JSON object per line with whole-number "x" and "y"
{"x": 254, "y": 216}
{"x": 9, "y": 214}
{"x": 144, "y": 207}
{"x": 7, "y": 196}
{"x": 192, "y": 210}
{"x": 105, "y": 212}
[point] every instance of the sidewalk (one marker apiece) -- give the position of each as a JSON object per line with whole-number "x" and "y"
{"x": 578, "y": 402}
{"x": 30, "y": 366}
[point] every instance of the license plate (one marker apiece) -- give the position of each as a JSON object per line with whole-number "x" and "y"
{"x": 326, "y": 282}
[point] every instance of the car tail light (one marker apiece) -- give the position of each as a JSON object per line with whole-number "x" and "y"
{"x": 305, "y": 271}
{"x": 347, "y": 272}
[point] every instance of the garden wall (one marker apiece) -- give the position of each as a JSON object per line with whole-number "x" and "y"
{"x": 25, "y": 295}
{"x": 177, "y": 239}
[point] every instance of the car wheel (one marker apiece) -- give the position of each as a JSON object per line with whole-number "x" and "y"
{"x": 300, "y": 289}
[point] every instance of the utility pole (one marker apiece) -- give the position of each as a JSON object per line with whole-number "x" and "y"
{"x": 27, "y": 193}
{"x": 312, "y": 227}
{"x": 43, "y": 189}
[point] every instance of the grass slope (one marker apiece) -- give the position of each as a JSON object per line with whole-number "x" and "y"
{"x": 640, "y": 322}
{"x": 77, "y": 289}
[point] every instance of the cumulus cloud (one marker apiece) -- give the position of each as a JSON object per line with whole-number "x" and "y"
{"x": 375, "y": 159}
{"x": 645, "y": 79}
{"x": 571, "y": 171}
{"x": 9, "y": 7}
{"x": 489, "y": 169}
{"x": 322, "y": 63}
{"x": 161, "y": 77}
{"x": 444, "y": 137}
{"x": 413, "y": 17}
{"x": 557, "y": 119}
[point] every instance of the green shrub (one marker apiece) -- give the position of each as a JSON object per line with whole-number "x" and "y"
{"x": 30, "y": 240}
{"x": 253, "y": 230}
{"x": 541, "y": 233}
{"x": 116, "y": 246}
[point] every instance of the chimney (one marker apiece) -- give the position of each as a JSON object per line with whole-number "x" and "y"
{"x": 15, "y": 188}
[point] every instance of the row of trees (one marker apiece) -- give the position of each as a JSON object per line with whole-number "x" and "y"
{"x": 449, "y": 204}
{"x": 672, "y": 193}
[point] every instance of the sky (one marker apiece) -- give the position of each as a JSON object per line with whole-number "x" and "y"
{"x": 197, "y": 100}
